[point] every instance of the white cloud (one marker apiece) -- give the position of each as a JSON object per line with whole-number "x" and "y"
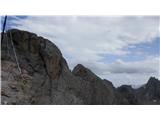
{"x": 149, "y": 65}
{"x": 133, "y": 73}
{"x": 82, "y": 39}
{"x": 94, "y": 35}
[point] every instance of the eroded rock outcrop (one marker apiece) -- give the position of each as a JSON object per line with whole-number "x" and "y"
{"x": 101, "y": 92}
{"x": 40, "y": 58}
{"x": 150, "y": 92}
{"x": 128, "y": 95}
{"x": 49, "y": 79}
{"x": 45, "y": 77}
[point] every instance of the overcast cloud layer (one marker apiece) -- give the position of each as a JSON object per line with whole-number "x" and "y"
{"x": 100, "y": 43}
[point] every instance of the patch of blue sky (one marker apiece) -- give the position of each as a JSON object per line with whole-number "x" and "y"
{"x": 137, "y": 52}
{"x": 9, "y": 22}
{"x": 148, "y": 48}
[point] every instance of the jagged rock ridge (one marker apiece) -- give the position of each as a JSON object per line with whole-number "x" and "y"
{"x": 46, "y": 78}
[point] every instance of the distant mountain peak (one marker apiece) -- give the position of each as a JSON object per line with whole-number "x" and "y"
{"x": 152, "y": 80}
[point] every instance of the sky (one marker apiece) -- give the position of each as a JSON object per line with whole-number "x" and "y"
{"x": 122, "y": 49}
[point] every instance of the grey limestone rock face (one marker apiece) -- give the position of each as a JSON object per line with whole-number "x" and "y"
{"x": 101, "y": 92}
{"x": 45, "y": 77}
{"x": 41, "y": 60}
{"x": 49, "y": 79}
{"x": 150, "y": 92}
{"x": 128, "y": 95}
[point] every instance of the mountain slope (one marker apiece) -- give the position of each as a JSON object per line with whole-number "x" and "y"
{"x": 43, "y": 77}
{"x": 150, "y": 92}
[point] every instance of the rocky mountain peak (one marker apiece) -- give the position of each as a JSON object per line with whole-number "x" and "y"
{"x": 125, "y": 88}
{"x": 80, "y": 70}
{"x": 36, "y": 51}
{"x": 85, "y": 73}
{"x": 46, "y": 78}
{"x": 152, "y": 82}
